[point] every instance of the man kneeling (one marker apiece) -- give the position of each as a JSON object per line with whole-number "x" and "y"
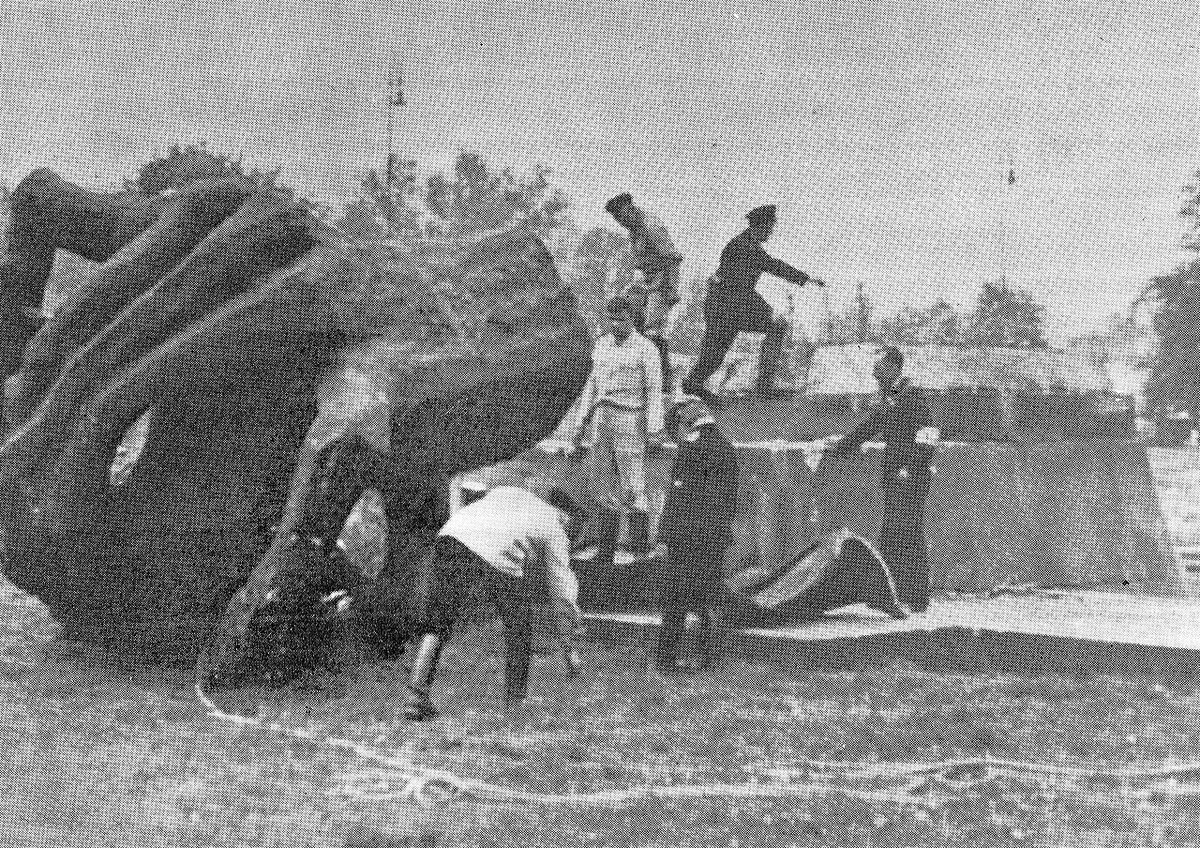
{"x": 517, "y": 548}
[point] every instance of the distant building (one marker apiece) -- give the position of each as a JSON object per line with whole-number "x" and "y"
{"x": 985, "y": 393}
{"x": 846, "y": 370}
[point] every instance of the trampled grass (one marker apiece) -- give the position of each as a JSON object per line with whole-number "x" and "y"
{"x": 101, "y": 753}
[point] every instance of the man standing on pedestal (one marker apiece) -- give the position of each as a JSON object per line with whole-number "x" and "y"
{"x": 902, "y": 422}
{"x": 732, "y": 305}
{"x": 623, "y": 404}
{"x": 655, "y": 257}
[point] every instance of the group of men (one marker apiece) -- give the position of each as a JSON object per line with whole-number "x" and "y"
{"x": 516, "y": 544}
{"x": 732, "y": 304}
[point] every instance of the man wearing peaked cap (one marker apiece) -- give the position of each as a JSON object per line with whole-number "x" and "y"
{"x": 902, "y": 422}
{"x": 732, "y": 305}
{"x": 696, "y": 527}
{"x": 761, "y": 213}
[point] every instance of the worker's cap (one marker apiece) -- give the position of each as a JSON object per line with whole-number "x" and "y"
{"x": 621, "y": 200}
{"x": 761, "y": 214}
{"x": 689, "y": 409}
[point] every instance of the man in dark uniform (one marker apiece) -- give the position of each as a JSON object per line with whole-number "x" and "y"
{"x": 902, "y": 421}
{"x": 732, "y": 305}
{"x": 695, "y": 527}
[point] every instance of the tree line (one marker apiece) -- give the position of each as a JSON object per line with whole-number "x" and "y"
{"x": 401, "y": 212}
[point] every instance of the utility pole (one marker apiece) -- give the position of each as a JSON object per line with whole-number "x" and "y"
{"x": 395, "y": 100}
{"x": 1009, "y": 176}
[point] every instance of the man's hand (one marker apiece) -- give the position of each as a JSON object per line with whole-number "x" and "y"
{"x": 836, "y": 446}
{"x": 519, "y": 554}
{"x": 572, "y": 661}
{"x": 656, "y": 439}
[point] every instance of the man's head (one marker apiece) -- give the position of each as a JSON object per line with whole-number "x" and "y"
{"x": 690, "y": 412}
{"x": 762, "y": 222}
{"x": 620, "y": 317}
{"x": 889, "y": 366}
{"x": 623, "y": 210}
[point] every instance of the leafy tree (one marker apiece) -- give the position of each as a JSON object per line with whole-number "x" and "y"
{"x": 182, "y": 166}
{"x": 856, "y": 324}
{"x": 1175, "y": 369}
{"x": 1175, "y": 366}
{"x": 603, "y": 265}
{"x": 939, "y": 323}
{"x": 1006, "y": 317}
{"x": 473, "y": 200}
{"x": 452, "y": 208}
{"x": 379, "y": 211}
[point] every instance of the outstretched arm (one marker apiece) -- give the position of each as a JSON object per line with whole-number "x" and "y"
{"x": 860, "y": 434}
{"x": 779, "y": 268}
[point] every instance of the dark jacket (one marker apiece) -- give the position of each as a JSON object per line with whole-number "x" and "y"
{"x": 896, "y": 421}
{"x": 743, "y": 261}
{"x": 703, "y": 492}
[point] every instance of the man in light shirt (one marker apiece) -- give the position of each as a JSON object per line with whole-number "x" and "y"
{"x": 655, "y": 296}
{"x": 517, "y": 547}
{"x": 623, "y": 406}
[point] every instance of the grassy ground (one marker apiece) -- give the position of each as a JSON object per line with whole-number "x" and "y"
{"x": 101, "y": 754}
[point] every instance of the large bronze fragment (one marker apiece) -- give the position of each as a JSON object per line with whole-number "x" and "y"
{"x": 253, "y": 337}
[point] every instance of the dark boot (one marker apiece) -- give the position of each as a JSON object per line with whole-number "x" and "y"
{"x": 639, "y": 533}
{"x": 608, "y": 528}
{"x": 768, "y": 362}
{"x": 420, "y": 679}
{"x": 712, "y": 639}
{"x": 669, "y": 636}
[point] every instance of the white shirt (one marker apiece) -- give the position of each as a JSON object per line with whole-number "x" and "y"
{"x": 627, "y": 374}
{"x": 510, "y": 527}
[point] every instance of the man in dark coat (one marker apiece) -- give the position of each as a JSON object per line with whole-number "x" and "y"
{"x": 695, "y": 527}
{"x": 902, "y": 422}
{"x": 732, "y": 305}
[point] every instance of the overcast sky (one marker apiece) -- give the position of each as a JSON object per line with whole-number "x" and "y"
{"x": 882, "y": 130}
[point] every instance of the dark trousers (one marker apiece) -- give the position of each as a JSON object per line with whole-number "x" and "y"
{"x": 693, "y": 582}
{"x": 449, "y": 575}
{"x": 724, "y": 317}
{"x": 902, "y": 537}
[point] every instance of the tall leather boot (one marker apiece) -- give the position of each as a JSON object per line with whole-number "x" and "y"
{"x": 639, "y": 533}
{"x": 608, "y": 528}
{"x": 768, "y": 362}
{"x": 420, "y": 678}
{"x": 712, "y": 638}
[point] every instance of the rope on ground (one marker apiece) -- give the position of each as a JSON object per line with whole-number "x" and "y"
{"x": 918, "y": 778}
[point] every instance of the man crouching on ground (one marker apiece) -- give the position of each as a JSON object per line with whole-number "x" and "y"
{"x": 517, "y": 548}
